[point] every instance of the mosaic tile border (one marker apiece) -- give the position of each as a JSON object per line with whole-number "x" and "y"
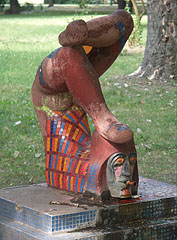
{"x": 44, "y": 221}
{"x": 160, "y": 229}
{"x": 163, "y": 229}
{"x": 73, "y": 221}
{"x": 137, "y": 211}
{"x": 104, "y": 216}
{"x": 155, "y": 205}
{"x": 25, "y": 215}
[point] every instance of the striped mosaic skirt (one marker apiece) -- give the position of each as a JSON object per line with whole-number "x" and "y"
{"x": 67, "y": 149}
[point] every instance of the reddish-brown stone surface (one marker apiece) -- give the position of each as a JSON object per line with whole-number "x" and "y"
{"x": 67, "y": 87}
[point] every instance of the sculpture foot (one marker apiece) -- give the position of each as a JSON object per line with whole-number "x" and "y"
{"x": 118, "y": 133}
{"x": 75, "y": 34}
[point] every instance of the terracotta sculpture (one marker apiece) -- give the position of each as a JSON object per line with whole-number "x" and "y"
{"x": 67, "y": 87}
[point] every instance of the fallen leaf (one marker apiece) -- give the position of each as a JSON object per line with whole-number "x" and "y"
{"x": 31, "y": 180}
{"x": 37, "y": 155}
{"x": 16, "y": 154}
{"x": 139, "y": 131}
{"x": 17, "y": 123}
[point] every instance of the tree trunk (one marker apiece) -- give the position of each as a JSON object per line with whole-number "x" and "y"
{"x": 121, "y": 4}
{"x": 160, "y": 58}
{"x": 51, "y": 3}
{"x": 130, "y": 5}
{"x": 14, "y": 7}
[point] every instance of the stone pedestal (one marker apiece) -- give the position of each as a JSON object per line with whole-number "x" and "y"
{"x": 26, "y": 212}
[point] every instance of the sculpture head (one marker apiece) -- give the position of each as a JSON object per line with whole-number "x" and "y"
{"x": 117, "y": 171}
{"x": 120, "y": 169}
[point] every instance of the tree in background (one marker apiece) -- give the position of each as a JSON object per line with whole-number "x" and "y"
{"x": 82, "y": 3}
{"x": 130, "y": 6}
{"x": 14, "y": 7}
{"x": 160, "y": 58}
{"x": 136, "y": 35}
{"x": 51, "y": 3}
{"x": 121, "y": 4}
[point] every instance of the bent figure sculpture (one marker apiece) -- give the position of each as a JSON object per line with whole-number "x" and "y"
{"x": 67, "y": 87}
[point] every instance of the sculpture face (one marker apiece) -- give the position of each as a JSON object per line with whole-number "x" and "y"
{"x": 120, "y": 170}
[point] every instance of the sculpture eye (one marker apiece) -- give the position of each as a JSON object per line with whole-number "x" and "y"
{"x": 133, "y": 157}
{"x": 119, "y": 161}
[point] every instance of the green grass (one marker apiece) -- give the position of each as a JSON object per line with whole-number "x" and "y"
{"x": 149, "y": 109}
{"x": 24, "y": 41}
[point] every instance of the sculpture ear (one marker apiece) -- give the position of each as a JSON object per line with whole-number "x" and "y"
{"x": 75, "y": 34}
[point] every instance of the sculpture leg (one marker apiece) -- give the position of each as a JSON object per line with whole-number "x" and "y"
{"x": 106, "y": 36}
{"x": 83, "y": 83}
{"x": 67, "y": 149}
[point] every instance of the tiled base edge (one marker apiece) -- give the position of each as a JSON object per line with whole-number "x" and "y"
{"x": 160, "y": 229}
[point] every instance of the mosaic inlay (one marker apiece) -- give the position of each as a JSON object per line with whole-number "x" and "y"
{"x": 68, "y": 149}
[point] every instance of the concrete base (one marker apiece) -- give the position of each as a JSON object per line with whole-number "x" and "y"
{"x": 26, "y": 213}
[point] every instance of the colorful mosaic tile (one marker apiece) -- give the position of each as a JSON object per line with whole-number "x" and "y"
{"x": 92, "y": 177}
{"x": 122, "y": 30}
{"x": 68, "y": 149}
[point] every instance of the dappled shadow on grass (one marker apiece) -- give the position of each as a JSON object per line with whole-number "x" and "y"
{"x": 37, "y": 14}
{"x": 47, "y": 13}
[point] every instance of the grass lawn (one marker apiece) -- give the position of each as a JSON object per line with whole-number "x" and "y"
{"x": 148, "y": 107}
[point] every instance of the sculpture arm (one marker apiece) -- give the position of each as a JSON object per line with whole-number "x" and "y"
{"x": 80, "y": 77}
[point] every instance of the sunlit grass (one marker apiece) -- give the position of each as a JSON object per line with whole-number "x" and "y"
{"x": 150, "y": 110}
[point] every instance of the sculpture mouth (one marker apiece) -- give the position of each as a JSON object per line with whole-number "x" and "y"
{"x": 125, "y": 193}
{"x": 123, "y": 189}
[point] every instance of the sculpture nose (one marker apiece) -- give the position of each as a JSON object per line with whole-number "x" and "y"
{"x": 126, "y": 169}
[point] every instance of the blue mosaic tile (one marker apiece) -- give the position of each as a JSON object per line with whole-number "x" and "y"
{"x": 146, "y": 207}
{"x": 44, "y": 221}
{"x": 160, "y": 229}
{"x": 24, "y": 215}
{"x": 73, "y": 221}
